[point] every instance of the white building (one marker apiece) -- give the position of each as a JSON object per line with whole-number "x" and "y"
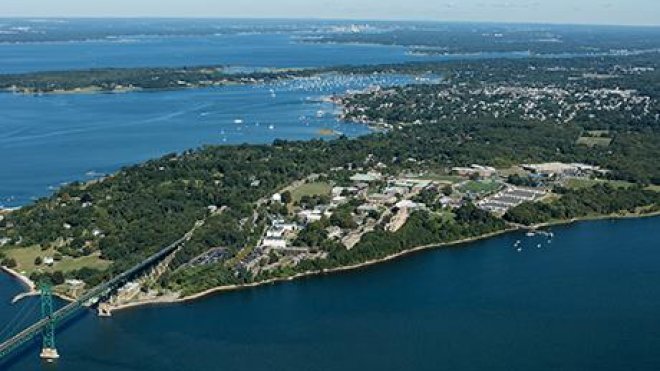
{"x": 274, "y": 242}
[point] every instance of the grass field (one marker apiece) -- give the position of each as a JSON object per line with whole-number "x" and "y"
{"x": 481, "y": 186}
{"x": 311, "y": 189}
{"x": 25, "y": 258}
{"x": 586, "y": 183}
{"x": 594, "y": 141}
{"x": 654, "y": 188}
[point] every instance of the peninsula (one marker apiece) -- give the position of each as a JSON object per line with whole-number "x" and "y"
{"x": 496, "y": 145}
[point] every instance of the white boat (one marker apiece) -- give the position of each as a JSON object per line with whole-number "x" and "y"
{"x": 271, "y": 127}
{"x": 538, "y": 246}
{"x": 530, "y": 234}
{"x": 238, "y": 121}
{"x": 519, "y": 249}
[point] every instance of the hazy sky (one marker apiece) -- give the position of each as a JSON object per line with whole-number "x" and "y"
{"x": 637, "y": 12}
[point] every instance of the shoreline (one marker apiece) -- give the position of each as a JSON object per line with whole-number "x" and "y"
{"x": 228, "y": 288}
{"x": 172, "y": 299}
{"x": 24, "y": 280}
{"x": 592, "y": 218}
{"x": 346, "y": 267}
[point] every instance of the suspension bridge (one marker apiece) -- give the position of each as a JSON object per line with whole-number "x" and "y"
{"x": 50, "y": 319}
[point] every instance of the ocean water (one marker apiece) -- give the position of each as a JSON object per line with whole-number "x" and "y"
{"x": 53, "y": 139}
{"x": 250, "y": 50}
{"x": 589, "y": 300}
{"x": 586, "y": 301}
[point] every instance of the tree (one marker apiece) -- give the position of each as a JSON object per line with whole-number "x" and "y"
{"x": 286, "y": 197}
{"x": 38, "y": 260}
{"x": 57, "y": 278}
{"x": 9, "y": 263}
{"x": 447, "y": 190}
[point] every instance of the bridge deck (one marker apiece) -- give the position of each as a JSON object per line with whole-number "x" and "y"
{"x": 8, "y": 346}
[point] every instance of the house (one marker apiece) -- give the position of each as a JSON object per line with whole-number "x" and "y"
{"x": 276, "y": 197}
{"x": 474, "y": 169}
{"x": 286, "y": 227}
{"x": 48, "y": 260}
{"x": 366, "y": 178}
{"x": 275, "y": 233}
{"x": 274, "y": 242}
{"x": 410, "y": 205}
{"x": 396, "y": 190}
{"x": 383, "y": 199}
{"x": 310, "y": 216}
{"x": 334, "y": 232}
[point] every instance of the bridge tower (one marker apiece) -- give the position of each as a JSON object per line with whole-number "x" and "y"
{"x": 48, "y": 350}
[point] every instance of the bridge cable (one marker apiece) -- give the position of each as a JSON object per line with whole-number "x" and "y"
{"x": 21, "y": 308}
{"x": 19, "y": 319}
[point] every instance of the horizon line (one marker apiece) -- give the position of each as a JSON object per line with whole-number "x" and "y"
{"x": 294, "y": 18}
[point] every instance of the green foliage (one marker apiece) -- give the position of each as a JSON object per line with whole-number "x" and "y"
{"x": 601, "y": 199}
{"x": 9, "y": 263}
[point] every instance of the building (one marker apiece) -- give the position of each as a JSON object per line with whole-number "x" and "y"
{"x": 275, "y": 232}
{"x": 383, "y": 199}
{"x": 310, "y": 216}
{"x": 286, "y": 227}
{"x": 550, "y": 169}
{"x": 367, "y": 178}
{"x": 474, "y": 169}
{"x": 410, "y": 205}
{"x": 274, "y": 242}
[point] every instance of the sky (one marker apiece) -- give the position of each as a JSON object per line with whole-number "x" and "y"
{"x": 623, "y": 12}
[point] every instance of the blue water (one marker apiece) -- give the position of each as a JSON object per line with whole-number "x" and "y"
{"x": 587, "y": 301}
{"x": 51, "y": 139}
{"x": 258, "y": 50}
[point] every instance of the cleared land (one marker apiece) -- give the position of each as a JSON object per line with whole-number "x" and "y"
{"x": 480, "y": 186}
{"x": 25, "y": 258}
{"x": 594, "y": 141}
{"x": 311, "y": 189}
{"x": 587, "y": 183}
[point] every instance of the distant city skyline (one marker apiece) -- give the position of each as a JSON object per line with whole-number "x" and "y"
{"x": 615, "y": 12}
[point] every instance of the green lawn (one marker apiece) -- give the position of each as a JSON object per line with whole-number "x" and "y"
{"x": 594, "y": 141}
{"x": 586, "y": 183}
{"x": 311, "y": 189}
{"x": 25, "y": 258}
{"x": 481, "y": 186}
{"x": 654, "y": 188}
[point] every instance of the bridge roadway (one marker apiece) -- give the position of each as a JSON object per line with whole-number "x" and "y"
{"x": 10, "y": 345}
